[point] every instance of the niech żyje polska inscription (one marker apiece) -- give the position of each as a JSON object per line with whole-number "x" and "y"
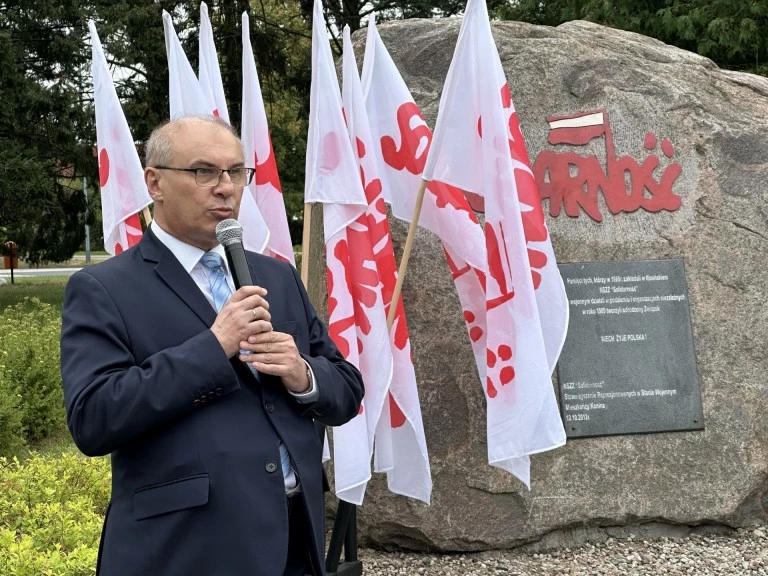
{"x": 628, "y": 363}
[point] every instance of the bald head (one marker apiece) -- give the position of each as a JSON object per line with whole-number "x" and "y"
{"x": 160, "y": 147}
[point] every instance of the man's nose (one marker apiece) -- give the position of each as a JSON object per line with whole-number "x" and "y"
{"x": 225, "y": 187}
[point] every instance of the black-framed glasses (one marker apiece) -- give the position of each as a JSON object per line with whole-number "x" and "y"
{"x": 210, "y": 177}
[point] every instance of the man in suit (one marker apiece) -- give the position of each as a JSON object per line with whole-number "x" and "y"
{"x": 208, "y": 417}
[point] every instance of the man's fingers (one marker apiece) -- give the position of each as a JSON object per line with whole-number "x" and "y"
{"x": 258, "y": 327}
{"x": 267, "y": 358}
{"x": 258, "y": 313}
{"x": 252, "y": 301}
{"x": 268, "y": 347}
{"x": 271, "y": 369}
{"x": 270, "y": 338}
{"x": 245, "y": 292}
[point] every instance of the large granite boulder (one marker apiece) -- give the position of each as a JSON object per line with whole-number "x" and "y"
{"x": 685, "y": 111}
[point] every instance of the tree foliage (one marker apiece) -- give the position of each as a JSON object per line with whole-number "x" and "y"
{"x": 47, "y": 127}
{"x": 355, "y": 13}
{"x": 47, "y": 132}
{"x": 733, "y": 33}
{"x": 41, "y": 119}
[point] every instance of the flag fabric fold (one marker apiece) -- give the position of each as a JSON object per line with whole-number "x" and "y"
{"x": 356, "y": 318}
{"x": 257, "y": 144}
{"x": 473, "y": 126}
{"x": 400, "y": 444}
{"x": 209, "y": 72}
{"x": 121, "y": 177}
{"x": 185, "y": 94}
{"x": 330, "y": 163}
{"x": 551, "y": 299}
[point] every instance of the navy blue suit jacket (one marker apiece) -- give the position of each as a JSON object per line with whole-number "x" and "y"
{"x": 197, "y": 486}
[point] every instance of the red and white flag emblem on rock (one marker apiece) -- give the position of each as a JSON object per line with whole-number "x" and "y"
{"x": 121, "y": 177}
{"x": 187, "y": 96}
{"x": 356, "y": 322}
{"x": 401, "y": 448}
{"x": 257, "y": 144}
{"x": 472, "y": 123}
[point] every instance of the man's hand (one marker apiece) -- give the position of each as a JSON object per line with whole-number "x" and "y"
{"x": 275, "y": 353}
{"x": 246, "y": 313}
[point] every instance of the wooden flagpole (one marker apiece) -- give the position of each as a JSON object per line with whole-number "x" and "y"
{"x": 406, "y": 254}
{"x": 305, "y": 244}
{"x": 147, "y": 216}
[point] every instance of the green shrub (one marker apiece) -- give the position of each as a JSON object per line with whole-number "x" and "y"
{"x": 29, "y": 373}
{"x": 11, "y": 428}
{"x": 51, "y": 513}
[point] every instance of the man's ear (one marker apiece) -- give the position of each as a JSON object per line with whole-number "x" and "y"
{"x": 152, "y": 180}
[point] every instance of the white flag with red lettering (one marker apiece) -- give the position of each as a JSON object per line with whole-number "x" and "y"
{"x": 187, "y": 96}
{"x": 457, "y": 124}
{"x": 471, "y": 150}
{"x": 257, "y": 144}
{"x": 402, "y": 140}
{"x": 209, "y": 72}
{"x": 356, "y": 318}
{"x": 121, "y": 177}
{"x": 401, "y": 448}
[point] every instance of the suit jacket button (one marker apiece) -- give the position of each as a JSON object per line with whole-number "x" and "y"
{"x": 270, "y": 407}
{"x": 218, "y": 391}
{"x": 270, "y": 467}
{"x": 196, "y": 402}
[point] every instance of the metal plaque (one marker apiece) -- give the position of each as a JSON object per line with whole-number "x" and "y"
{"x": 628, "y": 364}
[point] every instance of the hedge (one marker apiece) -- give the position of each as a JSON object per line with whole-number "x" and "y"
{"x": 51, "y": 513}
{"x": 31, "y": 398}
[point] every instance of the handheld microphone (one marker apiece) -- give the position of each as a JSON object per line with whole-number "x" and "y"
{"x": 230, "y": 234}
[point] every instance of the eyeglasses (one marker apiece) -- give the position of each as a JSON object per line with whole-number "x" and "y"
{"x": 212, "y": 176}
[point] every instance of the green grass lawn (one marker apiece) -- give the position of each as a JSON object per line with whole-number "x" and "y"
{"x": 55, "y": 445}
{"x": 49, "y": 289}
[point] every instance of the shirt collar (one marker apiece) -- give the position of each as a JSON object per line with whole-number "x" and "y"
{"x": 186, "y": 254}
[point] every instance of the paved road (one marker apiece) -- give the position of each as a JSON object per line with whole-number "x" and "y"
{"x": 27, "y": 272}
{"x": 77, "y": 262}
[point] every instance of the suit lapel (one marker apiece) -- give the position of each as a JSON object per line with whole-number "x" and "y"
{"x": 178, "y": 280}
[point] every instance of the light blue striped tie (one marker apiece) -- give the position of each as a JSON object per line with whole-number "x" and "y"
{"x": 217, "y": 277}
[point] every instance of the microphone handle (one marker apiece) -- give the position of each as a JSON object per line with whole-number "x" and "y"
{"x": 238, "y": 264}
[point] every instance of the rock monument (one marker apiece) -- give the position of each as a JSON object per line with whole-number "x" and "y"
{"x": 694, "y": 138}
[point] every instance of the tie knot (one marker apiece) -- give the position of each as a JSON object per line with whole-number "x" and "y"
{"x": 211, "y": 260}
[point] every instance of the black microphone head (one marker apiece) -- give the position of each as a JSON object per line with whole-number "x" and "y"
{"x": 229, "y": 231}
